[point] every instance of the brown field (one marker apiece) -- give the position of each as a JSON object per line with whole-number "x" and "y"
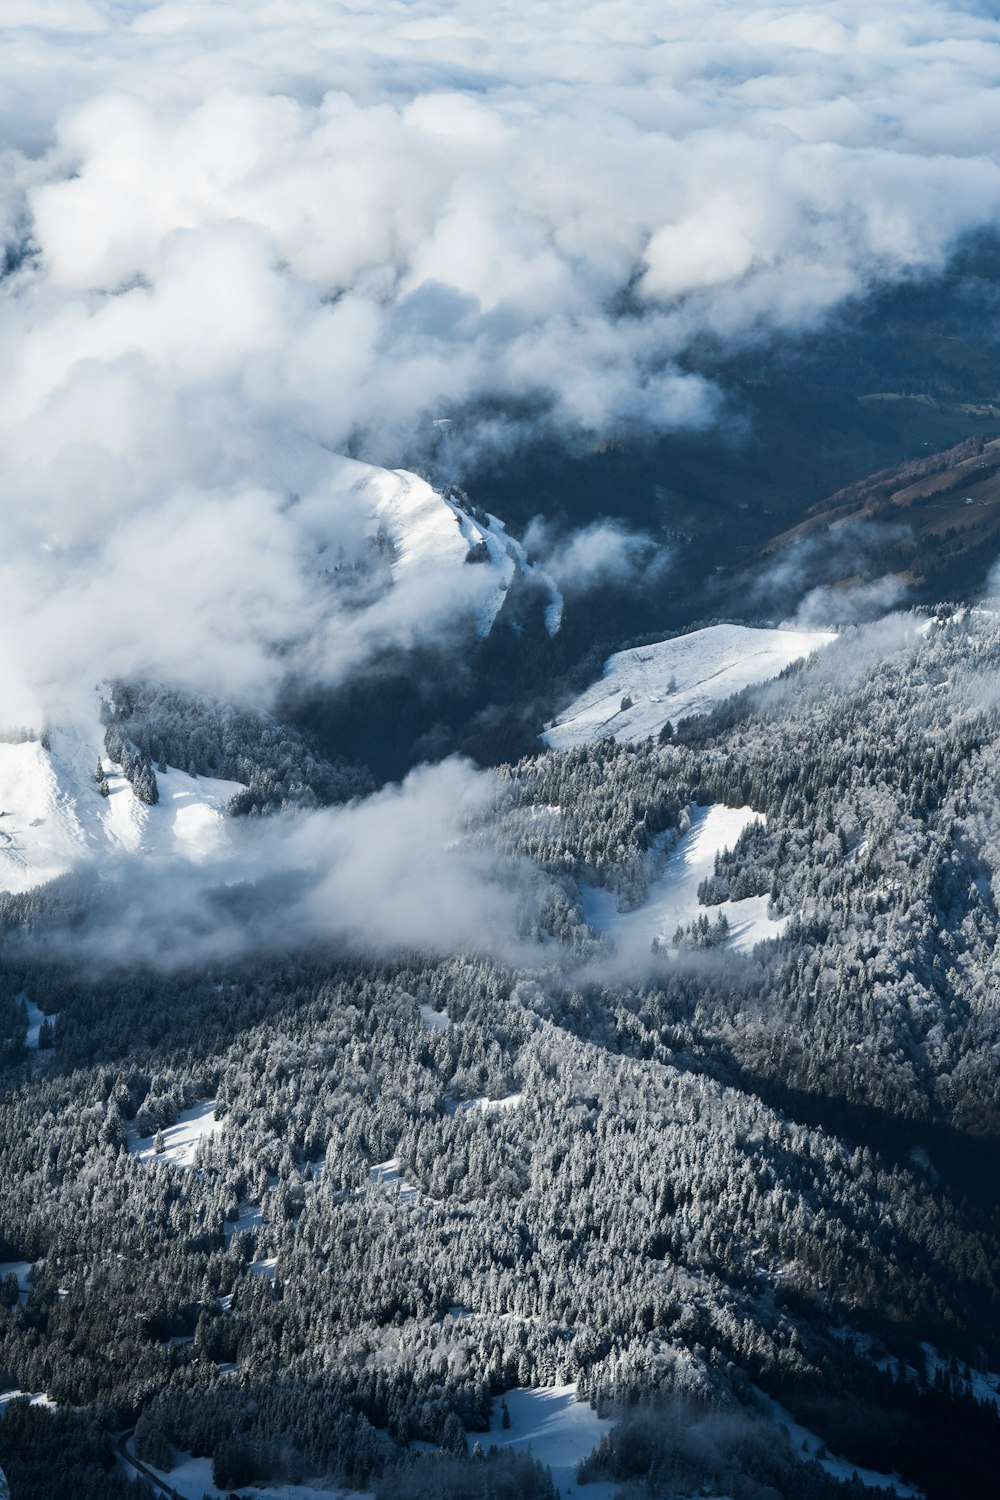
{"x": 957, "y": 504}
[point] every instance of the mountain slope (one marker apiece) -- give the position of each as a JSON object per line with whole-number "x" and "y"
{"x": 55, "y": 818}
{"x": 435, "y": 542}
{"x": 643, "y": 688}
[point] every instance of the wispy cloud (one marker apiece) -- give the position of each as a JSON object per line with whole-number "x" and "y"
{"x": 396, "y": 872}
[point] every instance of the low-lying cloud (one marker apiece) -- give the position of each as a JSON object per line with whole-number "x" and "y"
{"x": 601, "y": 555}
{"x": 399, "y": 872}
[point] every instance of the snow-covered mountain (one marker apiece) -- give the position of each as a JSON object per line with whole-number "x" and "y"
{"x": 54, "y": 817}
{"x": 645, "y": 687}
{"x": 466, "y": 557}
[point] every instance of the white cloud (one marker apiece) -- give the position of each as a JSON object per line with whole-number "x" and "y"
{"x": 597, "y": 556}
{"x": 398, "y": 871}
{"x": 244, "y": 221}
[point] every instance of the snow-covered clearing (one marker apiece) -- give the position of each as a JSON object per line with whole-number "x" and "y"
{"x": 188, "y": 819}
{"x": 180, "y": 1141}
{"x": 192, "y": 1478}
{"x": 486, "y": 1106}
{"x": 673, "y": 897}
{"x": 388, "y": 1177}
{"x": 806, "y": 1443}
{"x": 53, "y": 816}
{"x": 559, "y": 1430}
{"x": 34, "y": 1398}
{"x": 249, "y": 1219}
{"x": 676, "y": 679}
{"x": 36, "y": 1020}
{"x": 22, "y": 1270}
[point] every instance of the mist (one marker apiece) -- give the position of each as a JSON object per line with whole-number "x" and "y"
{"x": 399, "y": 872}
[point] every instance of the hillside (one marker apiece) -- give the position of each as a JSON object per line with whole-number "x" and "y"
{"x": 437, "y": 545}
{"x": 54, "y": 817}
{"x": 361, "y": 1200}
{"x": 644, "y": 688}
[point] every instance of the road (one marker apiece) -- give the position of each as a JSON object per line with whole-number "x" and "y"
{"x": 136, "y": 1466}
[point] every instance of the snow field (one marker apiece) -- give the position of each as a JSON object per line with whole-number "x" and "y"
{"x": 180, "y": 1141}
{"x": 559, "y": 1430}
{"x": 644, "y": 687}
{"x": 673, "y": 898}
{"x": 53, "y": 817}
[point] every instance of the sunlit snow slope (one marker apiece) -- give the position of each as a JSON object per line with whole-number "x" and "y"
{"x": 641, "y": 689}
{"x": 54, "y": 817}
{"x": 468, "y": 561}
{"x": 673, "y": 902}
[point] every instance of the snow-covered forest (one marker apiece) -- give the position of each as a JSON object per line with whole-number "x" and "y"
{"x": 314, "y": 1216}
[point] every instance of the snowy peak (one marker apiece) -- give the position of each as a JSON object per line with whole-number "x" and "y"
{"x": 645, "y": 687}
{"x": 460, "y": 560}
{"x": 431, "y": 532}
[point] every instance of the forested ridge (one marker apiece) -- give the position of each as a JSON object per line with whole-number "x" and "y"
{"x": 688, "y": 1187}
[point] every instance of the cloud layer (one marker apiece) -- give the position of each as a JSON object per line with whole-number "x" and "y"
{"x": 231, "y": 226}
{"x": 398, "y": 872}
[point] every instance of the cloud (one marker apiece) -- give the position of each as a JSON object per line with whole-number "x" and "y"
{"x": 399, "y": 871}
{"x": 851, "y": 604}
{"x": 235, "y": 228}
{"x": 597, "y": 556}
{"x": 836, "y": 575}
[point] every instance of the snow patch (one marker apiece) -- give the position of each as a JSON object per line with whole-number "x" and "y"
{"x": 33, "y": 1398}
{"x": 192, "y": 1478}
{"x": 559, "y": 1430}
{"x": 388, "y": 1177}
{"x": 807, "y": 1443}
{"x": 644, "y": 687}
{"x": 673, "y": 898}
{"x": 22, "y": 1270}
{"x": 487, "y": 1106}
{"x": 437, "y": 1020}
{"x": 180, "y": 1141}
{"x": 248, "y": 1218}
{"x": 36, "y": 1020}
{"x": 53, "y": 817}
